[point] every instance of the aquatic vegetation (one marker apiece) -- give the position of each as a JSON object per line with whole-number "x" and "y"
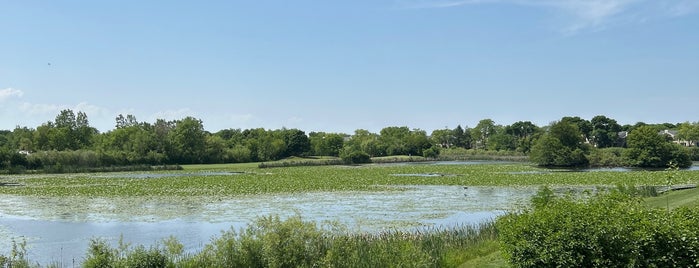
{"x": 319, "y": 178}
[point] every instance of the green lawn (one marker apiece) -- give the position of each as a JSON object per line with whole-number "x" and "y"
{"x": 675, "y": 199}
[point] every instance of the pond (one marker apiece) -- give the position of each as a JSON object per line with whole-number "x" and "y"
{"x": 58, "y": 230}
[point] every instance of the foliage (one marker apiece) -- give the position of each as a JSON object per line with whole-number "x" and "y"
{"x": 18, "y": 256}
{"x": 272, "y": 242}
{"x": 452, "y": 154}
{"x": 559, "y": 148}
{"x": 583, "y": 125}
{"x": 482, "y": 132}
{"x": 185, "y": 141}
{"x": 693, "y": 153}
{"x": 647, "y": 148}
{"x": 432, "y": 152}
{"x": 610, "y": 230}
{"x": 101, "y": 254}
{"x": 326, "y": 144}
{"x": 604, "y": 131}
{"x": 689, "y": 132}
{"x": 607, "y": 157}
{"x": 354, "y": 157}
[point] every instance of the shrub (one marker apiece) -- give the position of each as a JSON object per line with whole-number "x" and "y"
{"x": 355, "y": 157}
{"x": 610, "y": 230}
{"x": 607, "y": 157}
{"x": 146, "y": 258}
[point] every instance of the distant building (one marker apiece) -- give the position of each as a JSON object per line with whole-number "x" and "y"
{"x": 621, "y": 138}
{"x": 673, "y": 135}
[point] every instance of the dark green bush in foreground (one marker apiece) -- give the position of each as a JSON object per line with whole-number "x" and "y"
{"x": 611, "y": 230}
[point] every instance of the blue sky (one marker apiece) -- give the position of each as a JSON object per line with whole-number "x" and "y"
{"x": 337, "y": 66}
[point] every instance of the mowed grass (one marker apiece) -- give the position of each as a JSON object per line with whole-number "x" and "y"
{"x": 675, "y": 199}
{"x": 375, "y": 177}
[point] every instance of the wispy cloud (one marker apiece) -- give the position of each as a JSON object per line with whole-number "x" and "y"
{"x": 172, "y": 114}
{"x": 583, "y": 14}
{"x": 54, "y": 109}
{"x": 10, "y": 93}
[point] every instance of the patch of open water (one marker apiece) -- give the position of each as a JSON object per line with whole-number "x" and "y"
{"x": 59, "y": 232}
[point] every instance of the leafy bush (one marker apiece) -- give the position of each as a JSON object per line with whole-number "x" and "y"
{"x": 693, "y": 153}
{"x": 607, "y": 157}
{"x": 354, "y": 157}
{"x": 611, "y": 230}
{"x": 432, "y": 152}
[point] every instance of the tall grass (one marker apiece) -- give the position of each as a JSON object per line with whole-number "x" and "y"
{"x": 272, "y": 242}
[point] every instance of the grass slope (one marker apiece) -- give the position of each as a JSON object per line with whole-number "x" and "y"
{"x": 675, "y": 199}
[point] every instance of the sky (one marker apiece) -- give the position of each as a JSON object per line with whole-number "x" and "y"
{"x": 338, "y": 66}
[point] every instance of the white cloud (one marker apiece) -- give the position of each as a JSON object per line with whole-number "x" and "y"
{"x": 9, "y": 93}
{"x": 38, "y": 109}
{"x": 54, "y": 109}
{"x": 172, "y": 114}
{"x": 583, "y": 14}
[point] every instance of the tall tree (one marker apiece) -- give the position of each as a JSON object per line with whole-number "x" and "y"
{"x": 584, "y": 126}
{"x": 561, "y": 146}
{"x": 524, "y": 132}
{"x": 604, "y": 131}
{"x": 296, "y": 141}
{"x": 482, "y": 132}
{"x": 189, "y": 140}
{"x": 445, "y": 138}
{"x": 326, "y": 144}
{"x": 462, "y": 137}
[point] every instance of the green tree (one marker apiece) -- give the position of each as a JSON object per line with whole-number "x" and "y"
{"x": 584, "y": 126}
{"x": 296, "y": 142}
{"x": 215, "y": 149}
{"x": 689, "y": 132}
{"x": 462, "y": 137}
{"x": 445, "y": 138}
{"x": 366, "y": 142}
{"x": 648, "y": 148}
{"x": 482, "y": 132}
{"x": 326, "y": 144}
{"x": 188, "y": 141}
{"x": 604, "y": 131}
{"x": 502, "y": 141}
{"x": 524, "y": 133}
{"x": 395, "y": 140}
{"x": 561, "y": 146}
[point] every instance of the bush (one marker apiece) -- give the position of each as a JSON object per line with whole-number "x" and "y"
{"x": 355, "y": 157}
{"x": 432, "y": 152}
{"x": 693, "y": 153}
{"x": 611, "y": 230}
{"x": 146, "y": 258}
{"x": 607, "y": 157}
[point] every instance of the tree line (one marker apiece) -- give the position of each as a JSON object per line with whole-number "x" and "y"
{"x": 70, "y": 141}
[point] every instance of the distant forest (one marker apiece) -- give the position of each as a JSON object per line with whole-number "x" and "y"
{"x": 69, "y": 143}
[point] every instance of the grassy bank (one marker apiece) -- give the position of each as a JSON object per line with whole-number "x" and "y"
{"x": 675, "y": 199}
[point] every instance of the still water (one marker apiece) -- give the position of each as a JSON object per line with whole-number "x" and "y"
{"x": 58, "y": 231}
